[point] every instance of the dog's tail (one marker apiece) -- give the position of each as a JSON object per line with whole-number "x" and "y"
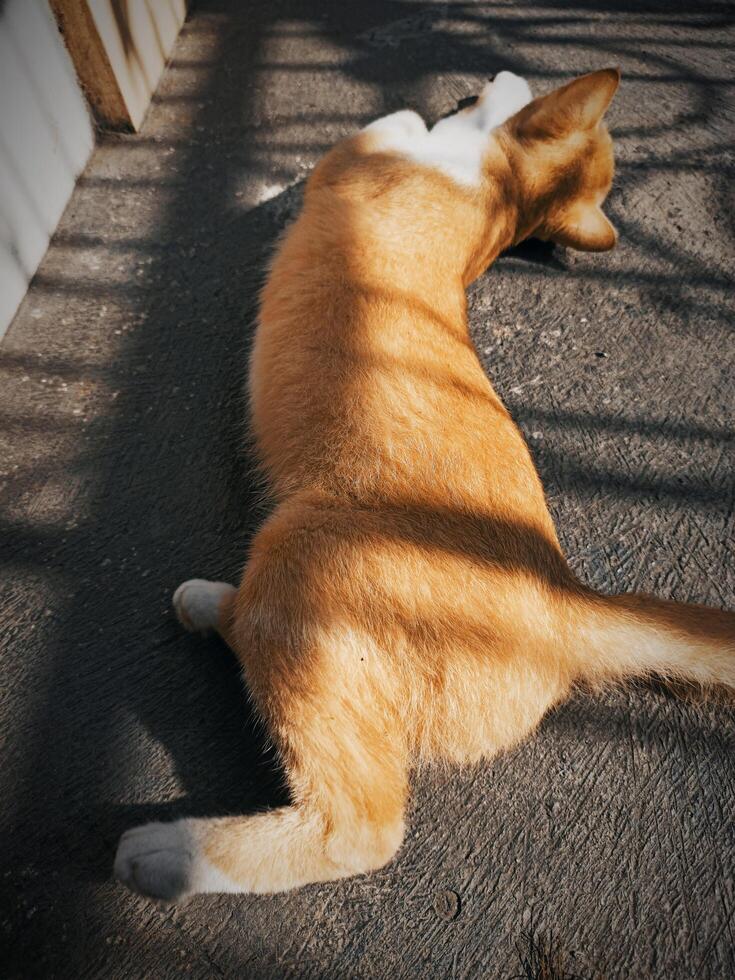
{"x": 627, "y": 636}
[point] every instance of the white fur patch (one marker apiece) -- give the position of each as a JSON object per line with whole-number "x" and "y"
{"x": 456, "y": 145}
{"x": 197, "y": 603}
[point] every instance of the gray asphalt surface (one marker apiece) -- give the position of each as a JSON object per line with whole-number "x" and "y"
{"x": 123, "y": 472}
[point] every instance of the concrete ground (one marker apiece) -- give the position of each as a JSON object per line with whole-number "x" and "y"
{"x": 122, "y": 472}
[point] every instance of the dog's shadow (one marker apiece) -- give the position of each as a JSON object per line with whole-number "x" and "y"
{"x": 201, "y": 750}
{"x": 536, "y": 251}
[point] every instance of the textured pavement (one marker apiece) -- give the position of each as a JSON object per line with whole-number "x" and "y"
{"x": 123, "y": 471}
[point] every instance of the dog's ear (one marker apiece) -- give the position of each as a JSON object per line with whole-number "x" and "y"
{"x": 583, "y": 226}
{"x": 579, "y": 105}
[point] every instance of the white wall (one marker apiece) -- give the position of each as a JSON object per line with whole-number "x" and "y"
{"x": 46, "y": 137}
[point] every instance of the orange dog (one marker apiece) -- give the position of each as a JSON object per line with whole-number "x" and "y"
{"x": 407, "y": 599}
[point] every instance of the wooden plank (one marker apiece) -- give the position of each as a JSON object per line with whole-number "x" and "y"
{"x": 92, "y": 64}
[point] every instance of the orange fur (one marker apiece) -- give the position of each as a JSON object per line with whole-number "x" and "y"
{"x": 408, "y": 598}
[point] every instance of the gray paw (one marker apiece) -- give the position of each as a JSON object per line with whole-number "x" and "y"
{"x": 156, "y": 860}
{"x": 197, "y": 603}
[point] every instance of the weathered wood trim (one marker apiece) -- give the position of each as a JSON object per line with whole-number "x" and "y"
{"x": 92, "y": 64}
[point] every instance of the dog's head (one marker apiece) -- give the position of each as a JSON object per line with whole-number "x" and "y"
{"x": 451, "y": 198}
{"x": 562, "y": 154}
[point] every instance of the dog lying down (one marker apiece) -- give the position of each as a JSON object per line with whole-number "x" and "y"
{"x": 407, "y": 599}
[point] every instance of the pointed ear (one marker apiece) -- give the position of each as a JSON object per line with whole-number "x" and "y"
{"x": 585, "y": 228}
{"x": 579, "y": 105}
